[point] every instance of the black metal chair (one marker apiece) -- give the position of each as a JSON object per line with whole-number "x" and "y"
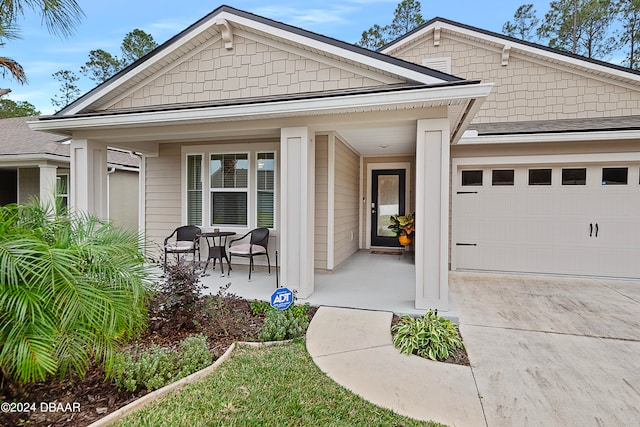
{"x": 187, "y": 242}
{"x": 257, "y": 246}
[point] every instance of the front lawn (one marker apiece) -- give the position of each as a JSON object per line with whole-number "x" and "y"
{"x": 272, "y": 386}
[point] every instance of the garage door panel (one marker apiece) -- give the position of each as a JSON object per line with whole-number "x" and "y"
{"x": 550, "y": 229}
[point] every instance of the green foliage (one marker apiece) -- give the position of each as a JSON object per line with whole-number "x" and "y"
{"x": 69, "y": 91}
{"x": 284, "y": 324}
{"x": 524, "y": 23}
{"x": 406, "y": 17}
{"x": 59, "y": 17}
{"x": 135, "y": 45}
{"x": 260, "y": 308}
{"x": 430, "y": 336}
{"x": 10, "y": 108}
{"x": 580, "y": 26}
{"x": 72, "y": 287}
{"x": 272, "y": 386}
{"x": 155, "y": 367}
{"x": 629, "y": 33}
{"x": 102, "y": 64}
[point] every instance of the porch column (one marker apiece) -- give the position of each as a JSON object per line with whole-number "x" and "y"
{"x": 432, "y": 214}
{"x": 48, "y": 185}
{"x": 297, "y": 189}
{"x": 88, "y": 181}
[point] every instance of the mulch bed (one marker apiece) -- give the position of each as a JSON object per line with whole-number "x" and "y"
{"x": 227, "y": 319}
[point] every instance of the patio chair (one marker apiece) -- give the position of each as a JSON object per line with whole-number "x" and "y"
{"x": 257, "y": 246}
{"x": 187, "y": 242}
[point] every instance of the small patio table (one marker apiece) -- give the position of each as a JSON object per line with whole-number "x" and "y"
{"x": 217, "y": 250}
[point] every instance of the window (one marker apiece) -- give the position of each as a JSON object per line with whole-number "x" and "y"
{"x": 539, "y": 176}
{"x": 472, "y": 178}
{"x": 62, "y": 191}
{"x": 226, "y": 188}
{"x": 194, "y": 189}
{"x": 229, "y": 183}
{"x": 575, "y": 176}
{"x": 266, "y": 189}
{"x": 615, "y": 176}
{"x": 502, "y": 177}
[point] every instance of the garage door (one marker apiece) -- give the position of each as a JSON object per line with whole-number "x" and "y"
{"x": 578, "y": 219}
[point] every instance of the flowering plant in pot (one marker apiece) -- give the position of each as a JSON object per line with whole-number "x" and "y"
{"x": 403, "y": 226}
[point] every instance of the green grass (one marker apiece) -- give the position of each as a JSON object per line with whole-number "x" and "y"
{"x": 272, "y": 386}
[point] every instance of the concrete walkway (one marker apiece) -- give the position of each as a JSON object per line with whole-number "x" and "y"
{"x": 544, "y": 351}
{"x": 354, "y": 348}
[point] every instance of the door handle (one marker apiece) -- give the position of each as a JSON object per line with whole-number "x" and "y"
{"x": 590, "y": 229}
{"x": 597, "y": 229}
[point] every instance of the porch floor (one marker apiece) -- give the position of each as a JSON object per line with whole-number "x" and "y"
{"x": 371, "y": 281}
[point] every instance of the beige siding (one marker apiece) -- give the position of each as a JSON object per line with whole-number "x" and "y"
{"x": 346, "y": 210}
{"x": 411, "y": 181}
{"x": 250, "y": 69}
{"x": 321, "y": 200}
{"x": 123, "y": 198}
{"x": 28, "y": 184}
{"x": 525, "y": 89}
{"x": 163, "y": 196}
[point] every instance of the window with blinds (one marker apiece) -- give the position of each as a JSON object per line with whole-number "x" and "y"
{"x": 265, "y": 189}
{"x": 232, "y": 189}
{"x": 194, "y": 189}
{"x": 229, "y": 175}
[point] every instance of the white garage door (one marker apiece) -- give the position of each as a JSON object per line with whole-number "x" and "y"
{"x": 578, "y": 219}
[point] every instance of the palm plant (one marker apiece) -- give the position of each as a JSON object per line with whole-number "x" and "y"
{"x": 71, "y": 288}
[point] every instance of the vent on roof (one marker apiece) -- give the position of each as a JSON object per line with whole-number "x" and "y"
{"x": 439, "y": 64}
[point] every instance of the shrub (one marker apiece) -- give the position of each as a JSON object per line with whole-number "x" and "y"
{"x": 155, "y": 367}
{"x": 430, "y": 336}
{"x": 180, "y": 294}
{"x": 286, "y": 324}
{"x": 71, "y": 288}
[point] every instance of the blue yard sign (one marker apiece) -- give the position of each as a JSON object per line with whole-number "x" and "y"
{"x": 282, "y": 298}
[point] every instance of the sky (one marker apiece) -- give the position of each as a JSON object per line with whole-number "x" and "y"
{"x": 106, "y": 22}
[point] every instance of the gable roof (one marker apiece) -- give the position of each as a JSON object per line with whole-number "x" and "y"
{"x": 222, "y": 22}
{"x": 529, "y": 48}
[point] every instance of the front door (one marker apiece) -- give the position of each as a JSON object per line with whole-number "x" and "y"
{"x": 387, "y": 199}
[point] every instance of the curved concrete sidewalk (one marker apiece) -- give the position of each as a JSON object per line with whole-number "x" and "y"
{"x": 354, "y": 348}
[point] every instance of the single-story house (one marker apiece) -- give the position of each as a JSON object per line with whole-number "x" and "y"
{"x": 513, "y": 156}
{"x": 37, "y": 165}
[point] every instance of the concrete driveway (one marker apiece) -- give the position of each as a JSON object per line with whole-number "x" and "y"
{"x": 548, "y": 351}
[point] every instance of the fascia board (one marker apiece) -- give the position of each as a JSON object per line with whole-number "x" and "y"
{"x": 196, "y": 30}
{"x": 551, "y": 137}
{"x": 531, "y": 50}
{"x": 291, "y": 108}
{"x": 335, "y": 50}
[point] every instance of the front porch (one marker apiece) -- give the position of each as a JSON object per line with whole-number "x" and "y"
{"x": 371, "y": 281}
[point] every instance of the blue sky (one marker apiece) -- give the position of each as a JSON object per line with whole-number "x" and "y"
{"x": 108, "y": 21}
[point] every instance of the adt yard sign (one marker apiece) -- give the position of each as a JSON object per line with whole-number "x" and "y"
{"x": 282, "y": 298}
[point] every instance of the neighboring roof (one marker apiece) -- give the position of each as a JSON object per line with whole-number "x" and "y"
{"x": 512, "y": 42}
{"x": 248, "y": 21}
{"x": 558, "y": 126}
{"x": 17, "y": 139}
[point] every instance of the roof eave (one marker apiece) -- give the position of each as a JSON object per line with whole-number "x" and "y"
{"x": 385, "y": 101}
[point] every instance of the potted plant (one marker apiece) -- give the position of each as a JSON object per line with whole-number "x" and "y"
{"x": 403, "y": 226}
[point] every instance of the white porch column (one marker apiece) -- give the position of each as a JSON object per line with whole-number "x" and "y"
{"x": 297, "y": 189}
{"x": 432, "y": 214}
{"x": 88, "y": 181}
{"x": 48, "y": 185}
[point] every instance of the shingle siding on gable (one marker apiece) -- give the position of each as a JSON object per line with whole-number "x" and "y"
{"x": 251, "y": 69}
{"x": 527, "y": 90}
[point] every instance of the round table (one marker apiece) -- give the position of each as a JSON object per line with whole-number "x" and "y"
{"x": 217, "y": 251}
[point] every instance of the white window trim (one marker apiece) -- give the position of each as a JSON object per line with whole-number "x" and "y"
{"x": 252, "y": 149}
{"x": 275, "y": 185}
{"x": 184, "y": 183}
